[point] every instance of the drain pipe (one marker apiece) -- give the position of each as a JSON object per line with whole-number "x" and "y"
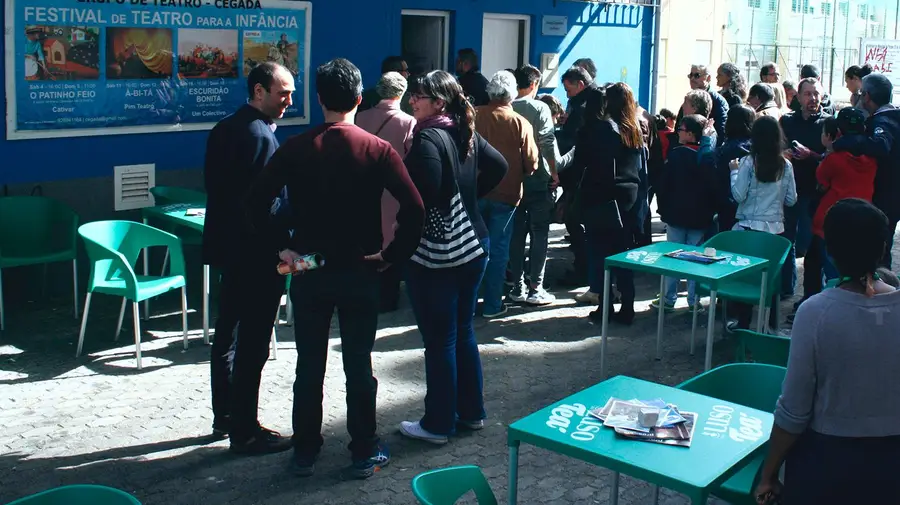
{"x": 654, "y": 83}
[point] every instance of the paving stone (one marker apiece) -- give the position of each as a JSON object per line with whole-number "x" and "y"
{"x": 96, "y": 419}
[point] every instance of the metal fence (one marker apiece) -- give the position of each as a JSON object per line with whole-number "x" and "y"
{"x": 831, "y": 61}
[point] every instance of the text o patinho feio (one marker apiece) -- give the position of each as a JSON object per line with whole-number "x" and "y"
{"x": 51, "y": 95}
{"x": 152, "y": 18}
{"x": 220, "y": 4}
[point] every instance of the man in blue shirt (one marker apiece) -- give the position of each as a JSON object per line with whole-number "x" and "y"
{"x": 238, "y": 148}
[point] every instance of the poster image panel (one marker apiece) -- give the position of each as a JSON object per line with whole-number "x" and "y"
{"x": 207, "y": 53}
{"x": 884, "y": 57}
{"x": 279, "y": 47}
{"x": 138, "y": 53}
{"x": 61, "y": 53}
{"x": 92, "y": 67}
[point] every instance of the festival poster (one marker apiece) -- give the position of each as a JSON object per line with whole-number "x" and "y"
{"x": 137, "y": 66}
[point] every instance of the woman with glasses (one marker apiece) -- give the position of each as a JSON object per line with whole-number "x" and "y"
{"x": 452, "y": 166}
{"x": 611, "y": 150}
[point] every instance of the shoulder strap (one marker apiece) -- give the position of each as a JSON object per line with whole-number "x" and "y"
{"x": 382, "y": 125}
{"x": 452, "y": 157}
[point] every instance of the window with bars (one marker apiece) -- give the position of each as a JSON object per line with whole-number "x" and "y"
{"x": 754, "y": 4}
{"x": 826, "y": 8}
{"x": 844, "y": 8}
{"x": 795, "y": 6}
{"x": 773, "y": 5}
{"x": 863, "y": 11}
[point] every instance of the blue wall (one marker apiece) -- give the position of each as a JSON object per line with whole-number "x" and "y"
{"x": 618, "y": 38}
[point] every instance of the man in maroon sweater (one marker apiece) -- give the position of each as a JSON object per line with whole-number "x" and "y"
{"x": 336, "y": 174}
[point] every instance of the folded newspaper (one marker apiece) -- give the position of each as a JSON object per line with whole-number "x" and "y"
{"x": 671, "y": 428}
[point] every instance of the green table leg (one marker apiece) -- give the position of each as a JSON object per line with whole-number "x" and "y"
{"x": 614, "y": 489}
{"x": 604, "y": 325}
{"x": 662, "y": 316}
{"x": 513, "y": 471}
{"x": 761, "y": 313}
{"x": 710, "y": 324}
{"x": 146, "y": 272}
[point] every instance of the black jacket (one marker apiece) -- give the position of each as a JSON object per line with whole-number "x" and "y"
{"x": 809, "y": 133}
{"x": 687, "y": 197}
{"x": 474, "y": 85}
{"x": 237, "y": 149}
{"x": 726, "y": 207}
{"x": 611, "y": 170}
{"x": 883, "y": 144}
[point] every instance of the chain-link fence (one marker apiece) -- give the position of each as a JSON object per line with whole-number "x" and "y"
{"x": 831, "y": 61}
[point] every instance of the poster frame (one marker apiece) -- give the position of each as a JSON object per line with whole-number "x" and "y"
{"x": 12, "y": 133}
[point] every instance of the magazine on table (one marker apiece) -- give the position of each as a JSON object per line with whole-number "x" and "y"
{"x": 695, "y": 256}
{"x": 680, "y": 434}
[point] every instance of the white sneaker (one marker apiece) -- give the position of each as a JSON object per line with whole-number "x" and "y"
{"x": 540, "y": 296}
{"x": 413, "y": 429}
{"x": 517, "y": 294}
{"x": 588, "y": 297}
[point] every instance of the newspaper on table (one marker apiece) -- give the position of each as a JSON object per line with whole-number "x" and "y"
{"x": 680, "y": 434}
{"x": 672, "y": 428}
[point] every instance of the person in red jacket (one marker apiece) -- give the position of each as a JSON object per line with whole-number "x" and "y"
{"x": 844, "y": 173}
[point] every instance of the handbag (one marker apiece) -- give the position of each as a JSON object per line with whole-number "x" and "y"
{"x": 449, "y": 238}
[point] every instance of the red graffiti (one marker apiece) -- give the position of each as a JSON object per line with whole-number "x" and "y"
{"x": 877, "y": 57}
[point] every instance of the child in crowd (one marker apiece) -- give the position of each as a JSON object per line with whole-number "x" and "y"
{"x": 666, "y": 128}
{"x": 687, "y": 200}
{"x": 762, "y": 185}
{"x": 846, "y": 173}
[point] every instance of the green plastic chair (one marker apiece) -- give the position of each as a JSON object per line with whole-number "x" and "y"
{"x": 769, "y": 349}
{"x": 35, "y": 230}
{"x": 745, "y": 288}
{"x": 753, "y": 385}
{"x": 167, "y": 195}
{"x": 81, "y": 494}
{"x": 445, "y": 486}
{"x": 113, "y": 248}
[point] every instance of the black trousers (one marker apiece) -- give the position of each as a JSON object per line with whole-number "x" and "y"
{"x": 827, "y": 470}
{"x": 354, "y": 292}
{"x": 248, "y": 301}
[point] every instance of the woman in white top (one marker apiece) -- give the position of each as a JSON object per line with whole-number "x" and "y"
{"x": 762, "y": 184}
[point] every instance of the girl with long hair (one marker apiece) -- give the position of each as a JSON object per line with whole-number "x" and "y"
{"x": 452, "y": 167}
{"x": 762, "y": 185}
{"x": 738, "y": 126}
{"x": 611, "y": 151}
{"x": 733, "y": 86}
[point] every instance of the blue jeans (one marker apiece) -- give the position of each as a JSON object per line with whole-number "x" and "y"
{"x": 443, "y": 301}
{"x": 687, "y": 237}
{"x": 797, "y": 229}
{"x": 498, "y": 219}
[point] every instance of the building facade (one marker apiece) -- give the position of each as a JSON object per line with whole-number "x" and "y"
{"x": 78, "y": 170}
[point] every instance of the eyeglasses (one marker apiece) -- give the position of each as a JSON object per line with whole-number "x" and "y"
{"x": 419, "y": 96}
{"x": 695, "y": 75}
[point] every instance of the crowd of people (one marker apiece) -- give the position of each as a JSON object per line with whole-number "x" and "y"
{"x": 441, "y": 181}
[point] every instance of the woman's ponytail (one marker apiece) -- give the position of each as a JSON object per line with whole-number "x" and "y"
{"x": 464, "y": 113}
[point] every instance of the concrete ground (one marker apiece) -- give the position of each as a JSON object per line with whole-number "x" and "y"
{"x": 97, "y": 419}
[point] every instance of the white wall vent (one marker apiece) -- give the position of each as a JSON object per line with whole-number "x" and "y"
{"x": 131, "y": 186}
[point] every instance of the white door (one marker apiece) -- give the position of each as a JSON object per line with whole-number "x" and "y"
{"x": 504, "y": 42}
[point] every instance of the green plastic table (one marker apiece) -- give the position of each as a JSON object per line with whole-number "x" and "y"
{"x": 176, "y": 214}
{"x": 652, "y": 259}
{"x": 726, "y": 435}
